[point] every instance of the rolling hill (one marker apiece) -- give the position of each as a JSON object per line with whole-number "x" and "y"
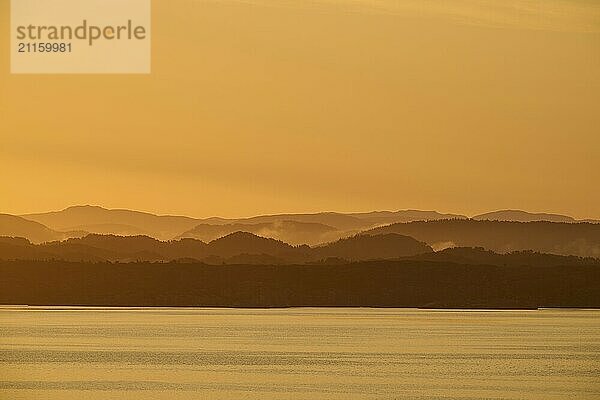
{"x": 11, "y": 225}
{"x": 366, "y": 247}
{"x": 237, "y": 247}
{"x": 100, "y": 220}
{"x": 247, "y": 248}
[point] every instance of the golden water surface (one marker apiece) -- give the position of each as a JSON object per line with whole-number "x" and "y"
{"x": 94, "y": 353}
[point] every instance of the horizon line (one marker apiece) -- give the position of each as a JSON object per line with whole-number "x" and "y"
{"x": 454, "y": 214}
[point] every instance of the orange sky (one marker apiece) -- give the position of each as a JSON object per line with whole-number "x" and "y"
{"x": 251, "y": 108}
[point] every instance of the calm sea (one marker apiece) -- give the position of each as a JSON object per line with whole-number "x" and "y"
{"x": 98, "y": 353}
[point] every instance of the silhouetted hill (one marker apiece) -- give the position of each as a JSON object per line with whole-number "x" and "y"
{"x": 118, "y": 244}
{"x": 522, "y": 216}
{"x": 14, "y": 226}
{"x": 580, "y": 239}
{"x": 366, "y": 247}
{"x": 247, "y": 243}
{"x": 16, "y": 248}
{"x": 143, "y": 248}
{"x": 480, "y": 256}
{"x": 237, "y": 247}
{"x": 22, "y": 249}
{"x": 102, "y": 248}
{"x": 246, "y": 248}
{"x": 292, "y": 232}
{"x": 98, "y": 219}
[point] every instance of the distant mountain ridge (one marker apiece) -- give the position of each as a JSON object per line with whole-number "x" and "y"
{"x": 387, "y": 217}
{"x": 522, "y": 216}
{"x": 312, "y": 228}
{"x": 295, "y": 229}
{"x": 89, "y": 218}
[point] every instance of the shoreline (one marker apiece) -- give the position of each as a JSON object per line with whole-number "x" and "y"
{"x": 22, "y": 307}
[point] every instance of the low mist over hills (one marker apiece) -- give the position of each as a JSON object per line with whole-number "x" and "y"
{"x": 292, "y": 228}
{"x": 500, "y": 231}
{"x": 580, "y": 239}
{"x": 292, "y": 232}
{"x": 439, "y": 263}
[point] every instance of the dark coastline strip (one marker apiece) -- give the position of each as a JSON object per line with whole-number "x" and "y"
{"x": 402, "y": 284}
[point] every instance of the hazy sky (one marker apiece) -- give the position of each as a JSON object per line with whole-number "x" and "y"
{"x": 460, "y": 106}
